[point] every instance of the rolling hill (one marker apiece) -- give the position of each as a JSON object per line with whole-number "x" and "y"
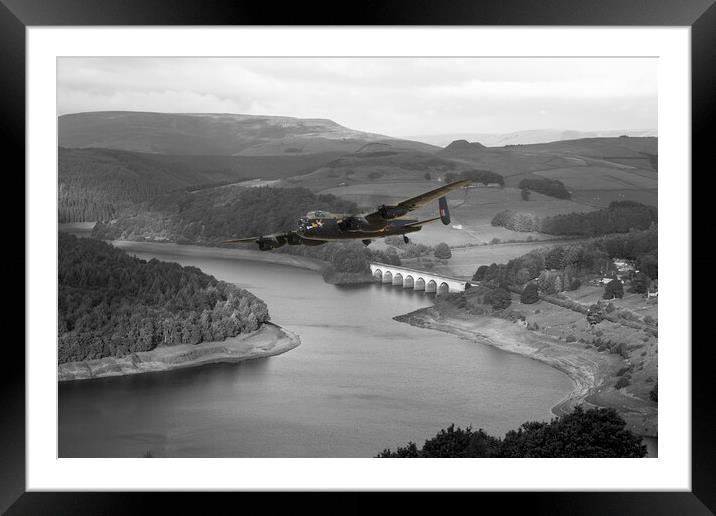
{"x": 597, "y": 171}
{"x": 526, "y": 137}
{"x": 214, "y": 134}
{"x": 100, "y": 184}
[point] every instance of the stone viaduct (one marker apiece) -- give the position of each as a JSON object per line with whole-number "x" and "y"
{"x": 417, "y": 280}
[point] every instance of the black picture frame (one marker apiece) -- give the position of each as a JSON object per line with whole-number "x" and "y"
{"x": 16, "y": 15}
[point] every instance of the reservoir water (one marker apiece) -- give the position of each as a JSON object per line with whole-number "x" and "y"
{"x": 359, "y": 382}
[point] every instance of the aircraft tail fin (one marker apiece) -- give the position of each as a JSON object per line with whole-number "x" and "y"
{"x": 444, "y": 211}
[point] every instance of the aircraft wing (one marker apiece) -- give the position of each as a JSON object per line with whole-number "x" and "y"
{"x": 425, "y": 198}
{"x": 403, "y": 207}
{"x": 421, "y": 222}
{"x": 255, "y": 239}
{"x": 241, "y": 240}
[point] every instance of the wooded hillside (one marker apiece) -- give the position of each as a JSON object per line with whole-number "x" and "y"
{"x": 101, "y": 184}
{"x": 220, "y": 214}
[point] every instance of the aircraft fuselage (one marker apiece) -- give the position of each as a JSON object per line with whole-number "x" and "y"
{"x": 327, "y": 229}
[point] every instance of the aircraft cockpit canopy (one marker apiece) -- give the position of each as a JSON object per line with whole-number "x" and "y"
{"x": 318, "y": 214}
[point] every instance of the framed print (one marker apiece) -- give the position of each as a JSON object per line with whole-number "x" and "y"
{"x": 269, "y": 257}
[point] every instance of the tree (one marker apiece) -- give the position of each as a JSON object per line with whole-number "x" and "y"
{"x": 450, "y": 177}
{"x": 640, "y": 283}
{"x": 485, "y": 177}
{"x": 530, "y": 294}
{"x": 597, "y": 432}
{"x": 480, "y": 273}
{"x": 649, "y": 265}
{"x": 549, "y": 282}
{"x": 499, "y": 298}
{"x": 409, "y": 451}
{"x": 442, "y": 251}
{"x": 450, "y": 442}
{"x": 654, "y": 393}
{"x": 523, "y": 276}
{"x": 613, "y": 289}
{"x": 595, "y": 314}
{"x": 553, "y": 258}
{"x": 546, "y": 186}
{"x": 427, "y": 176}
{"x": 525, "y": 194}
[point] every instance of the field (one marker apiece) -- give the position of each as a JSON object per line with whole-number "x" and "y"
{"x": 602, "y": 198}
{"x": 642, "y": 347}
{"x": 596, "y": 178}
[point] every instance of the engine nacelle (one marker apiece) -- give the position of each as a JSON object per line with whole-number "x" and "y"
{"x": 391, "y": 212}
{"x": 266, "y": 244}
{"x": 293, "y": 239}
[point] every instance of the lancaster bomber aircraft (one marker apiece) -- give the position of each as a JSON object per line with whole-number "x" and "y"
{"x": 319, "y": 227}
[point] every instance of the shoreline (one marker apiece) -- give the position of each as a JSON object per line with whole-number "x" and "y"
{"x": 194, "y": 250}
{"x": 589, "y": 370}
{"x": 267, "y": 341}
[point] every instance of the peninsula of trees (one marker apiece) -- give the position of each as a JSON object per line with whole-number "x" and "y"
{"x": 113, "y": 304}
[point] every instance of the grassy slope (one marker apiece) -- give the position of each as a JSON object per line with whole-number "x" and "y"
{"x": 632, "y": 401}
{"x": 211, "y": 134}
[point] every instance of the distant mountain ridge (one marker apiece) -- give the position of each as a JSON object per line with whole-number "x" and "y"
{"x": 527, "y": 137}
{"x": 218, "y": 134}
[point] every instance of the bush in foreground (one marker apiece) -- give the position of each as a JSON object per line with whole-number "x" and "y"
{"x": 596, "y": 432}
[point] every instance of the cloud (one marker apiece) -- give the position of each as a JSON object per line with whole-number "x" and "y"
{"x": 387, "y": 95}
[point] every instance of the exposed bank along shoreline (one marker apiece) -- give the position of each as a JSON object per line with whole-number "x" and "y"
{"x": 589, "y": 370}
{"x": 267, "y": 341}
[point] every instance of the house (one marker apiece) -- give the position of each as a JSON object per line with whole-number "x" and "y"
{"x": 484, "y": 185}
{"x": 624, "y": 266}
{"x": 604, "y": 281}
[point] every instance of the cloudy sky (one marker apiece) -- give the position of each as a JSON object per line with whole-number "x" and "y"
{"x": 397, "y": 97}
